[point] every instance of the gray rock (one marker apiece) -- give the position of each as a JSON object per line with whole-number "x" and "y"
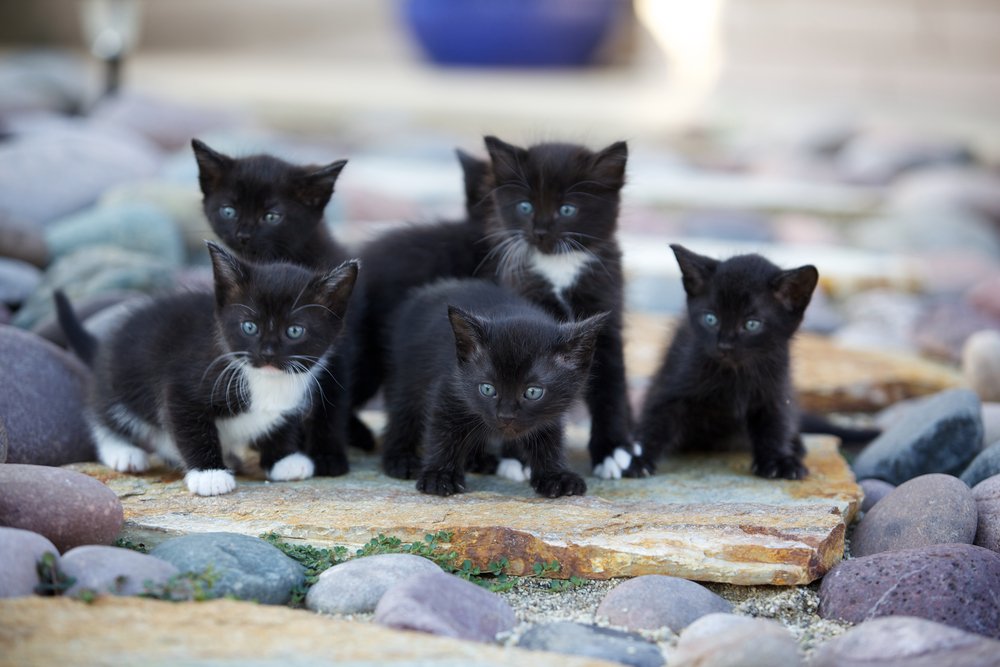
{"x": 727, "y": 640}
{"x": 246, "y": 567}
{"x": 42, "y": 391}
{"x": 944, "y": 435}
{"x": 722, "y": 224}
{"x": 930, "y": 509}
{"x": 69, "y": 508}
{"x": 442, "y": 604}
{"x": 879, "y": 319}
{"x": 655, "y": 601}
{"x": 976, "y": 190}
{"x": 23, "y": 241}
{"x": 991, "y": 422}
{"x": 5, "y": 315}
{"x": 115, "y": 571}
{"x": 905, "y": 641}
{"x": 357, "y": 585}
{"x": 875, "y": 490}
{"x": 182, "y": 201}
{"x": 943, "y": 329}
{"x": 987, "y": 495}
{"x": 981, "y": 364}
{"x": 43, "y": 80}
{"x": 984, "y": 466}
{"x": 17, "y": 281}
{"x": 592, "y": 642}
{"x": 20, "y": 551}
{"x": 86, "y": 309}
{"x": 877, "y": 157}
{"x": 136, "y": 226}
{"x": 954, "y": 584}
{"x": 169, "y": 124}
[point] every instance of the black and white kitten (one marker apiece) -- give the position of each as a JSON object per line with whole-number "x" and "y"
{"x": 197, "y": 377}
{"x": 266, "y": 209}
{"x": 475, "y": 366}
{"x": 726, "y": 375}
{"x": 553, "y": 239}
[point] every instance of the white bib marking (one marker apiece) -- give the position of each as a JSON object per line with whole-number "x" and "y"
{"x": 561, "y": 270}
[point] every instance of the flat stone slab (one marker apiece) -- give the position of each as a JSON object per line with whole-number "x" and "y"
{"x": 133, "y": 631}
{"x": 701, "y": 518}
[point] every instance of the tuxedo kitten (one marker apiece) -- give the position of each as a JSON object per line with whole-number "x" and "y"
{"x": 726, "y": 373}
{"x": 553, "y": 239}
{"x": 473, "y": 365}
{"x": 195, "y": 377}
{"x": 266, "y": 209}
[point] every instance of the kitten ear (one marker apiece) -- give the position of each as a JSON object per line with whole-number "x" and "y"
{"x": 794, "y": 288}
{"x": 470, "y": 335}
{"x": 577, "y": 349}
{"x": 475, "y": 172}
{"x": 609, "y": 165}
{"x": 316, "y": 187}
{"x": 212, "y": 165}
{"x": 229, "y": 272}
{"x": 506, "y": 158}
{"x": 335, "y": 288}
{"x": 697, "y": 270}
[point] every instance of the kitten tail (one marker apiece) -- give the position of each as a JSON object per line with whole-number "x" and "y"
{"x": 80, "y": 340}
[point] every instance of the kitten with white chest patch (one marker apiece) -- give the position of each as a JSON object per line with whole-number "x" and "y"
{"x": 196, "y": 377}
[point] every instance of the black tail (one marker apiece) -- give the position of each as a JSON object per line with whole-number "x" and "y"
{"x": 813, "y": 423}
{"x": 80, "y": 340}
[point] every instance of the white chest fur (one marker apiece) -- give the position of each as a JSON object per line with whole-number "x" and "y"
{"x": 562, "y": 269}
{"x": 272, "y": 396}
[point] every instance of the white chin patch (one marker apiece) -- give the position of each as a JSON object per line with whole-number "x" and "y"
{"x": 118, "y": 454}
{"x": 514, "y": 470}
{"x": 613, "y": 466}
{"x": 293, "y": 466}
{"x": 210, "y": 482}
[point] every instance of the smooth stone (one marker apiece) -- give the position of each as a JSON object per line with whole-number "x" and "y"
{"x": 182, "y": 201}
{"x": 5, "y": 317}
{"x": 739, "y": 225}
{"x": 43, "y": 80}
{"x": 17, "y": 281}
{"x": 87, "y": 310}
{"x": 167, "y": 123}
{"x": 115, "y": 571}
{"x": 727, "y": 640}
{"x": 69, "y": 508}
{"x": 943, "y": 329}
{"x": 930, "y": 509}
{"x": 42, "y": 398}
{"x": 991, "y": 422}
{"x": 985, "y": 295}
{"x": 981, "y": 364}
{"x": 656, "y": 601}
{"x": 442, "y": 604}
{"x": 357, "y": 585}
{"x": 875, "y": 490}
{"x": 593, "y": 642}
{"x": 20, "y": 551}
{"x": 247, "y": 568}
{"x": 879, "y": 319}
{"x": 943, "y": 436}
{"x": 877, "y": 157}
{"x": 906, "y": 641}
{"x": 136, "y": 226}
{"x": 977, "y": 190}
{"x": 987, "y": 495}
{"x": 22, "y": 240}
{"x": 984, "y": 466}
{"x": 954, "y": 584}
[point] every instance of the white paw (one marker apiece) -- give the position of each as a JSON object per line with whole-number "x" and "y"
{"x": 210, "y": 482}
{"x": 514, "y": 470}
{"x": 121, "y": 456}
{"x": 293, "y": 466}
{"x": 613, "y": 466}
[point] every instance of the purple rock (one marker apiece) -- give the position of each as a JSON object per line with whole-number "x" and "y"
{"x": 954, "y": 584}
{"x": 905, "y": 641}
{"x": 930, "y": 509}
{"x": 113, "y": 570}
{"x": 20, "y": 551}
{"x": 987, "y": 495}
{"x": 66, "y": 506}
{"x": 984, "y": 466}
{"x": 875, "y": 490}
{"x": 941, "y": 331}
{"x": 42, "y": 401}
{"x": 357, "y": 585}
{"x": 442, "y": 604}
{"x": 655, "y": 601}
{"x": 728, "y": 640}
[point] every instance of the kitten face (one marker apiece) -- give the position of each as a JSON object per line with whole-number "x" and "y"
{"x": 554, "y": 198}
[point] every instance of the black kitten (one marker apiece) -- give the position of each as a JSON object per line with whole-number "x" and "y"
{"x": 474, "y": 365}
{"x": 195, "y": 377}
{"x": 553, "y": 239}
{"x": 266, "y": 209}
{"x": 726, "y": 373}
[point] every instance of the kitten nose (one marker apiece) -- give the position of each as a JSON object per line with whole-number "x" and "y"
{"x": 242, "y": 236}
{"x": 725, "y": 345}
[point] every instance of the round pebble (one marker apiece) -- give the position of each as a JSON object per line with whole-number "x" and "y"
{"x": 68, "y": 507}
{"x": 987, "y": 495}
{"x": 23, "y": 241}
{"x": 727, "y": 640}
{"x": 984, "y": 466}
{"x": 930, "y": 509}
{"x": 357, "y": 585}
{"x": 877, "y": 157}
{"x": 20, "y": 551}
{"x": 17, "y": 281}
{"x": 592, "y": 641}
{"x": 981, "y": 364}
{"x": 114, "y": 570}
{"x": 655, "y": 601}
{"x": 875, "y": 490}
{"x": 182, "y": 201}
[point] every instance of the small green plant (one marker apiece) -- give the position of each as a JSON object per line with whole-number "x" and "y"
{"x": 52, "y": 580}
{"x": 129, "y": 544}
{"x": 182, "y": 587}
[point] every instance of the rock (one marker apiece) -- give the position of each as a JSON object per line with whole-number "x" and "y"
{"x": 88, "y": 310}
{"x": 987, "y": 495}
{"x": 20, "y": 551}
{"x": 730, "y": 225}
{"x": 655, "y": 601}
{"x": 169, "y": 124}
{"x": 954, "y": 584}
{"x": 357, "y": 585}
{"x": 442, "y": 604}
{"x": 877, "y": 157}
{"x": 991, "y": 422}
{"x": 5, "y": 317}
{"x": 945, "y": 327}
{"x": 115, "y": 571}
{"x": 592, "y": 642}
{"x": 23, "y": 241}
{"x": 43, "y": 80}
{"x": 879, "y": 319}
{"x": 976, "y": 190}
{"x": 943, "y": 436}
{"x": 182, "y": 201}
{"x": 930, "y": 509}
{"x": 727, "y": 640}
{"x": 875, "y": 490}
{"x": 136, "y": 226}
{"x": 17, "y": 281}
{"x": 42, "y": 391}
{"x": 247, "y": 568}
{"x": 981, "y": 364}
{"x": 984, "y": 466}
{"x": 69, "y": 508}
{"x": 905, "y": 641}
{"x": 985, "y": 295}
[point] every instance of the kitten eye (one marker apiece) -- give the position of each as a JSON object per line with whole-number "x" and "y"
{"x": 533, "y": 393}
{"x": 228, "y": 212}
{"x": 752, "y": 325}
{"x": 567, "y": 210}
{"x": 487, "y": 390}
{"x": 273, "y": 217}
{"x": 295, "y": 331}
{"x": 710, "y": 320}
{"x": 249, "y": 328}
{"x": 525, "y": 208}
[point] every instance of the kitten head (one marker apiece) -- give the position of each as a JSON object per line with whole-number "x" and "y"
{"x": 744, "y": 307}
{"x": 554, "y": 198}
{"x": 279, "y": 315}
{"x": 522, "y": 372}
{"x": 261, "y": 206}
{"x": 478, "y": 178}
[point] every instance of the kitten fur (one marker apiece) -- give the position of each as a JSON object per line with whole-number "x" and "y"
{"x": 725, "y": 377}
{"x": 553, "y": 239}
{"x": 455, "y": 339}
{"x": 196, "y": 377}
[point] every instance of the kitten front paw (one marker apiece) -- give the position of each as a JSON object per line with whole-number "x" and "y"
{"x": 514, "y": 470}
{"x": 122, "y": 457}
{"x": 403, "y": 466}
{"x": 210, "y": 482}
{"x": 562, "y": 483}
{"x": 441, "y": 482}
{"x": 624, "y": 462}
{"x": 329, "y": 465}
{"x": 485, "y": 464}
{"x": 292, "y": 467}
{"x": 359, "y": 435}
{"x": 787, "y": 467}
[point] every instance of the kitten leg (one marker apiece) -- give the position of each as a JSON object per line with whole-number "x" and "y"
{"x": 116, "y": 452}
{"x": 197, "y": 440}
{"x": 550, "y": 475}
{"x": 449, "y": 444}
{"x": 777, "y": 450}
{"x": 281, "y": 454}
{"x": 323, "y": 442}
{"x": 400, "y": 444}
